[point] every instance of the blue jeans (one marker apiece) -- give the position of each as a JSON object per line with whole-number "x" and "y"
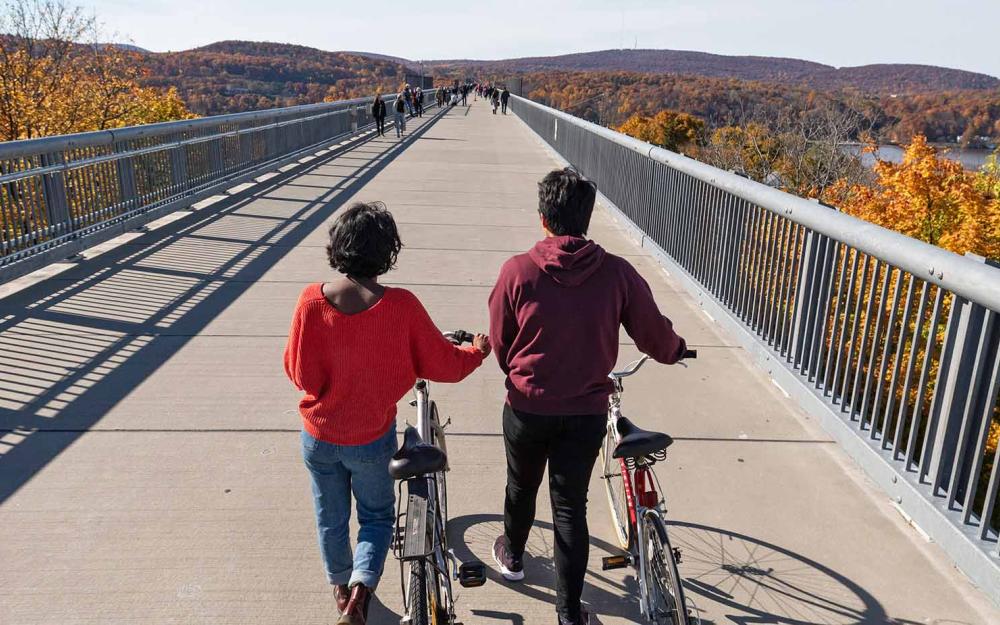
{"x": 337, "y": 471}
{"x": 400, "y": 123}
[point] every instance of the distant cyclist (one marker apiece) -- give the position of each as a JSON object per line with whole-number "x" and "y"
{"x": 355, "y": 348}
{"x": 555, "y": 314}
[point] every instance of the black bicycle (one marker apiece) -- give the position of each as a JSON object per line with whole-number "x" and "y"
{"x": 427, "y": 566}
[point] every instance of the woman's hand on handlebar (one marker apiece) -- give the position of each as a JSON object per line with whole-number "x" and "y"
{"x": 482, "y": 343}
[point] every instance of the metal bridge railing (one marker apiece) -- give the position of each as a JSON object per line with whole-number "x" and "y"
{"x": 892, "y": 341}
{"x": 60, "y": 194}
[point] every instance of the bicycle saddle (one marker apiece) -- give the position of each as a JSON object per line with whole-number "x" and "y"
{"x": 637, "y": 443}
{"x": 416, "y": 457}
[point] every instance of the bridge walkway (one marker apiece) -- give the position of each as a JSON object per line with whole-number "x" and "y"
{"x": 149, "y": 467}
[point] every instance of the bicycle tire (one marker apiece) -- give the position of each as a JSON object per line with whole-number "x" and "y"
{"x": 614, "y": 485}
{"x": 663, "y": 580}
{"x": 440, "y": 479}
{"x": 417, "y": 594}
{"x": 435, "y": 606}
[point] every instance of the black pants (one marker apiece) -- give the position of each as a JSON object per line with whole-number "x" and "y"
{"x": 503, "y": 107}
{"x": 569, "y": 445}
{"x": 380, "y": 124}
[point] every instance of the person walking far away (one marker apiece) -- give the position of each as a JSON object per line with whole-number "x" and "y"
{"x": 495, "y": 98}
{"x": 465, "y": 95}
{"x": 555, "y": 314}
{"x": 378, "y": 112}
{"x": 504, "y": 97}
{"x": 418, "y": 101}
{"x": 399, "y": 106}
{"x": 408, "y": 98}
{"x": 354, "y": 349}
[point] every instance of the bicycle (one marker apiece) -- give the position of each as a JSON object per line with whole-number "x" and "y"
{"x": 421, "y": 540}
{"x": 638, "y": 511}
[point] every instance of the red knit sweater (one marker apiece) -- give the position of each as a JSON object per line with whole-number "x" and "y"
{"x": 355, "y": 368}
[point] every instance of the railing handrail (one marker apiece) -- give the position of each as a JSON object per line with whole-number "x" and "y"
{"x": 57, "y": 143}
{"x": 973, "y": 280}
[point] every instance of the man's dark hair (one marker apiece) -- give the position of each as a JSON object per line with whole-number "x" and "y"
{"x": 566, "y": 202}
{"x": 364, "y": 242}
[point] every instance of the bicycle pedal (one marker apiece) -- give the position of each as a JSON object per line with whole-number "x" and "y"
{"x": 472, "y": 574}
{"x": 615, "y": 562}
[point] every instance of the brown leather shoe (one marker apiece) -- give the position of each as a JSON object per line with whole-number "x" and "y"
{"x": 343, "y": 595}
{"x": 356, "y": 611}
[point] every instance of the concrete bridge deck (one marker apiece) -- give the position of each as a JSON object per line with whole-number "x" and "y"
{"x": 149, "y": 468}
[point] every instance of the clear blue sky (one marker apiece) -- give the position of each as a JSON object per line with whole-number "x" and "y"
{"x": 952, "y": 33}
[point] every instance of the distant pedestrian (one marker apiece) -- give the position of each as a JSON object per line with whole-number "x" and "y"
{"x": 378, "y": 112}
{"x": 504, "y": 97}
{"x": 495, "y": 99}
{"x": 418, "y": 101}
{"x": 399, "y": 106}
{"x": 408, "y": 100}
{"x": 465, "y": 95}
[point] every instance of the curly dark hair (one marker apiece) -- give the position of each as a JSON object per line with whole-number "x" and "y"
{"x": 364, "y": 242}
{"x": 566, "y": 201}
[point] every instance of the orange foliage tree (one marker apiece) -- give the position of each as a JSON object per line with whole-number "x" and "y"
{"x": 668, "y": 129}
{"x": 55, "y": 78}
{"x": 932, "y": 199}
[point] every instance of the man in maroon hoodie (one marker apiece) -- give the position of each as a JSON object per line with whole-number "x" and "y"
{"x": 555, "y": 314}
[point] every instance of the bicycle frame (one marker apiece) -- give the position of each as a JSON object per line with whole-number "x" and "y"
{"x": 642, "y": 491}
{"x": 642, "y": 494}
{"x": 422, "y": 508}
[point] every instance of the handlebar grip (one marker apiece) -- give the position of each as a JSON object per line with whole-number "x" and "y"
{"x": 689, "y": 354}
{"x": 461, "y": 336}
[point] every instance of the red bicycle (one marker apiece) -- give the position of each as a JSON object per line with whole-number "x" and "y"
{"x": 638, "y": 510}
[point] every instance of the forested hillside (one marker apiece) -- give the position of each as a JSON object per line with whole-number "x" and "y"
{"x": 881, "y": 78}
{"x": 904, "y": 100}
{"x": 233, "y": 76}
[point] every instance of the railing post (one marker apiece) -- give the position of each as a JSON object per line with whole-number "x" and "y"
{"x": 126, "y": 177}
{"x": 959, "y": 401}
{"x": 215, "y": 156}
{"x": 56, "y": 205}
{"x": 178, "y": 167}
{"x": 816, "y": 268}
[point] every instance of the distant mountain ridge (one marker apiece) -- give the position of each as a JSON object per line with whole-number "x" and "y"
{"x": 879, "y": 78}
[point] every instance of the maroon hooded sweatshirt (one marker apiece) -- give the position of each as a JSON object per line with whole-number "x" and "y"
{"x": 555, "y": 314}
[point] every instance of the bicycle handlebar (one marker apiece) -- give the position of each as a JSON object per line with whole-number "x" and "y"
{"x": 459, "y": 336}
{"x": 631, "y": 368}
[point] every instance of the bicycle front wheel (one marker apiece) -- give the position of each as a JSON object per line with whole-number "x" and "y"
{"x": 614, "y": 476}
{"x": 663, "y": 581}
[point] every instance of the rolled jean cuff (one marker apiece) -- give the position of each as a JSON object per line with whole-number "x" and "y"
{"x": 368, "y": 578}
{"x": 343, "y": 577}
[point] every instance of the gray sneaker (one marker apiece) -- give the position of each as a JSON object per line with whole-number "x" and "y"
{"x": 510, "y": 565}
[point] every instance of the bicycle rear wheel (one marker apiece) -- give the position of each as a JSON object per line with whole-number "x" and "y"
{"x": 663, "y": 581}
{"x": 614, "y": 476}
{"x": 416, "y": 595}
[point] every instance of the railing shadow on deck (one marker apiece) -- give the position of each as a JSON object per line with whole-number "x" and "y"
{"x": 76, "y": 344}
{"x": 748, "y": 579}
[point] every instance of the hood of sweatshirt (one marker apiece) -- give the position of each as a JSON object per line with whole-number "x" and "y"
{"x": 567, "y": 260}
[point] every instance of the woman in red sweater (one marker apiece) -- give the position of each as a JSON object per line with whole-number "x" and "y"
{"x": 355, "y": 348}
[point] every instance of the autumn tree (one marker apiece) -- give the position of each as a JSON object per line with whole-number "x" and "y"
{"x": 932, "y": 199}
{"x": 56, "y": 76}
{"x": 668, "y": 129}
{"x": 752, "y": 150}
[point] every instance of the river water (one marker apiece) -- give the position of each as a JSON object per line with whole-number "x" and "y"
{"x": 971, "y": 158}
